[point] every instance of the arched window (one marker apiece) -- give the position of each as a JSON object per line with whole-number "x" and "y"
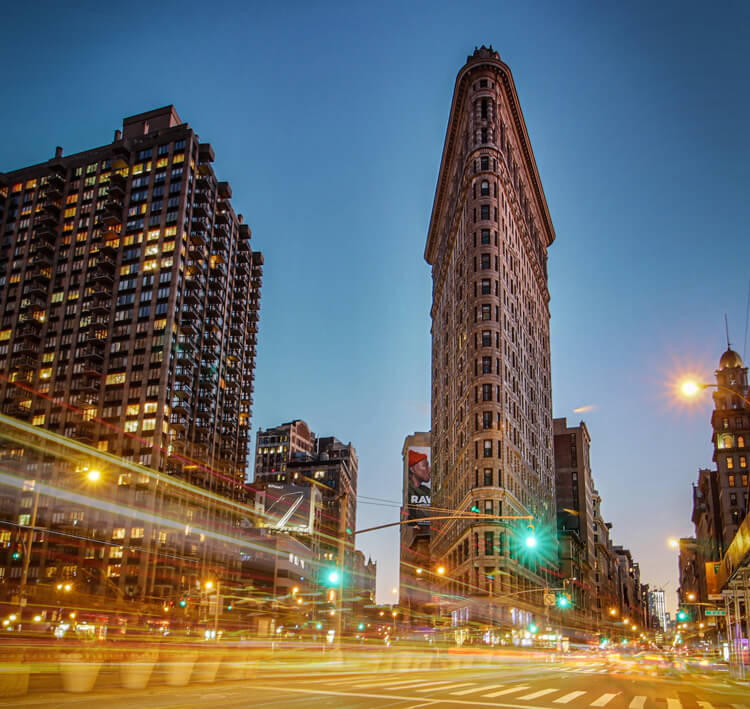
{"x": 740, "y": 441}
{"x": 725, "y": 441}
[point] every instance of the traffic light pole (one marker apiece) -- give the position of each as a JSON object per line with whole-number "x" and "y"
{"x": 343, "y": 499}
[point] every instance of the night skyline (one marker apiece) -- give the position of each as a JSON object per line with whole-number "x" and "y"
{"x": 330, "y": 132}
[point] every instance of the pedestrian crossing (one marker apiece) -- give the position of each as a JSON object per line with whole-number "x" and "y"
{"x": 520, "y": 693}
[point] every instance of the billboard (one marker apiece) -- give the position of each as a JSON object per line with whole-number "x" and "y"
{"x": 418, "y": 492}
{"x": 289, "y": 508}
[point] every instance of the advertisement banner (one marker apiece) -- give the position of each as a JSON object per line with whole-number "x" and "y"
{"x": 419, "y": 494}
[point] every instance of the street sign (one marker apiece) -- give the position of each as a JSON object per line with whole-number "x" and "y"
{"x": 549, "y": 599}
{"x": 715, "y": 611}
{"x": 715, "y": 597}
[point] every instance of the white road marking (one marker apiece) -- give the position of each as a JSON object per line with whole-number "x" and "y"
{"x": 606, "y": 699}
{"x": 540, "y": 693}
{"x": 406, "y": 684}
{"x": 705, "y": 705}
{"x": 674, "y": 704}
{"x": 450, "y": 686}
{"x": 511, "y": 690}
{"x": 462, "y": 692}
{"x": 637, "y": 703}
{"x": 568, "y": 697}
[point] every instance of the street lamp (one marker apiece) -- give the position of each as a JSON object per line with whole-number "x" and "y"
{"x": 674, "y": 543}
{"x": 690, "y": 388}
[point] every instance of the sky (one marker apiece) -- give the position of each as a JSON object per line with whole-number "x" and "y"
{"x": 328, "y": 119}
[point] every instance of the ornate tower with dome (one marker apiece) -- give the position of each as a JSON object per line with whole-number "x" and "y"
{"x": 730, "y": 422}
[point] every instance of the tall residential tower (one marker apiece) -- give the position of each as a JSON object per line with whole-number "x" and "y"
{"x": 491, "y": 399}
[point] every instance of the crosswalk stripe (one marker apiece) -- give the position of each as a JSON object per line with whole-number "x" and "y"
{"x": 540, "y": 693}
{"x": 638, "y": 702}
{"x": 606, "y": 699}
{"x": 674, "y": 703}
{"x": 568, "y": 697}
{"x": 705, "y": 705}
{"x": 406, "y": 684}
{"x": 511, "y": 690}
{"x": 450, "y": 686}
{"x": 462, "y": 692}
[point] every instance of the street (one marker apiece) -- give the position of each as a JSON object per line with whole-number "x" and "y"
{"x": 573, "y": 684}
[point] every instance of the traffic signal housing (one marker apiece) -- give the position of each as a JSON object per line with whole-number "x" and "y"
{"x": 682, "y": 615}
{"x": 563, "y": 601}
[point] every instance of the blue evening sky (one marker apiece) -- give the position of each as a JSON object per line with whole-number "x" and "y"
{"x": 328, "y": 119}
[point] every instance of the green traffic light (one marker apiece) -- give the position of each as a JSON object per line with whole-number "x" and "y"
{"x": 563, "y": 601}
{"x": 318, "y": 625}
{"x": 533, "y": 628}
{"x": 361, "y": 626}
{"x": 16, "y": 555}
{"x": 682, "y": 615}
{"x": 475, "y": 509}
{"x": 531, "y": 541}
{"x": 333, "y": 577}
{"x": 183, "y": 603}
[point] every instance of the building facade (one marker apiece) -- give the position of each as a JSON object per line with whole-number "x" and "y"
{"x": 491, "y": 399}
{"x": 730, "y": 436}
{"x": 276, "y": 447}
{"x": 574, "y": 493}
{"x": 130, "y": 295}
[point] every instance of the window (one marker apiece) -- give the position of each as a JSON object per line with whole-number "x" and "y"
{"x": 730, "y": 463}
{"x": 486, "y": 419}
{"x": 740, "y": 441}
{"x": 487, "y": 477}
{"x": 743, "y": 461}
{"x": 487, "y": 449}
{"x": 486, "y": 365}
{"x": 485, "y": 236}
{"x": 486, "y": 392}
{"x": 484, "y": 211}
{"x": 486, "y": 286}
{"x": 484, "y": 162}
{"x": 485, "y": 260}
{"x": 486, "y": 312}
{"x": 489, "y": 546}
{"x": 118, "y": 533}
{"x": 484, "y": 188}
{"x": 486, "y": 338}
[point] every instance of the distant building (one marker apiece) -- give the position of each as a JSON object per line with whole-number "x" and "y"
{"x": 605, "y": 567}
{"x": 657, "y": 608}
{"x": 574, "y": 496}
{"x": 276, "y": 447}
{"x": 291, "y": 454}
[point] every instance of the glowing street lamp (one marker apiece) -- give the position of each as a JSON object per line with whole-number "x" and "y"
{"x": 674, "y": 543}
{"x": 440, "y": 570}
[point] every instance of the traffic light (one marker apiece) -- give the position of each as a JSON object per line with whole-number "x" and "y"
{"x": 682, "y": 614}
{"x": 475, "y": 508}
{"x": 533, "y": 628}
{"x": 361, "y": 626}
{"x": 333, "y": 577}
{"x": 530, "y": 539}
{"x": 563, "y": 601}
{"x": 16, "y": 555}
{"x": 183, "y": 602}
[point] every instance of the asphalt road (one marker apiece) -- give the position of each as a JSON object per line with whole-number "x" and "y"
{"x": 514, "y": 686}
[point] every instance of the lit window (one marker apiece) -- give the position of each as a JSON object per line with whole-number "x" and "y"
{"x": 39, "y": 419}
{"x": 117, "y": 378}
{"x": 118, "y": 533}
{"x": 131, "y": 426}
{"x": 136, "y": 533}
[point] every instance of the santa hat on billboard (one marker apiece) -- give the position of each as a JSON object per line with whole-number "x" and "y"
{"x": 415, "y": 457}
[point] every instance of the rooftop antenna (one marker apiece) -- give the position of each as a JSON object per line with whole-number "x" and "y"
{"x": 747, "y": 317}
{"x": 726, "y": 326}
